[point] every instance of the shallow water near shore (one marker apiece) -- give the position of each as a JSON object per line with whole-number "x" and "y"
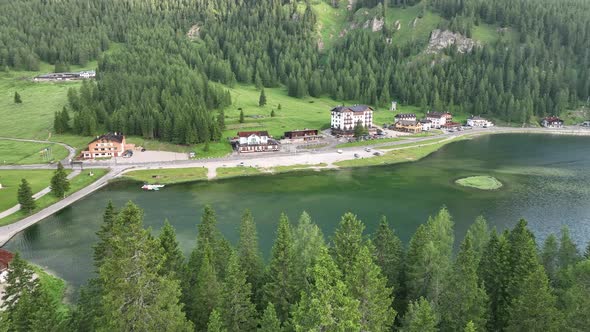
{"x": 546, "y": 180}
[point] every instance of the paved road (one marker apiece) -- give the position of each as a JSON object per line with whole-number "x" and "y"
{"x": 262, "y": 159}
{"x": 71, "y": 150}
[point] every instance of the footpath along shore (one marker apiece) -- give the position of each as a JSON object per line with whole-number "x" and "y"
{"x": 263, "y": 160}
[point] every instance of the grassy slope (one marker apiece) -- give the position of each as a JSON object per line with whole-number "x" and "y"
{"x": 13, "y": 152}
{"x": 228, "y": 172}
{"x": 10, "y": 180}
{"x": 80, "y": 181}
{"x": 167, "y": 176}
{"x": 331, "y": 21}
{"x": 409, "y": 32}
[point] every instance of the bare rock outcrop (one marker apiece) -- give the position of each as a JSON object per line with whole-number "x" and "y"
{"x": 441, "y": 39}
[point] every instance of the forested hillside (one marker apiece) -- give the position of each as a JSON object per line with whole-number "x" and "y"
{"x": 350, "y": 281}
{"x": 159, "y": 83}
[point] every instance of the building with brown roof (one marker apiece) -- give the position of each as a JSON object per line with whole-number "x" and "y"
{"x": 5, "y": 259}
{"x": 107, "y": 146}
{"x": 345, "y": 118}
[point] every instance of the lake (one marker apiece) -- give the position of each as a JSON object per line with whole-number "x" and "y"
{"x": 546, "y": 181}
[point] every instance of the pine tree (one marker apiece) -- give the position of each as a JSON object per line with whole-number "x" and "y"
{"x": 429, "y": 258}
{"x": 173, "y": 264}
{"x": 135, "y": 296}
{"x": 46, "y": 317}
{"x": 389, "y": 254}
{"x": 237, "y": 310}
{"x": 20, "y": 316}
{"x": 347, "y": 242}
{"x": 465, "y": 299}
{"x": 272, "y": 113}
{"x": 307, "y": 243}
{"x": 59, "y": 182}
{"x": 470, "y": 327}
{"x": 576, "y": 297}
{"x": 533, "y": 309}
{"x": 279, "y": 288}
{"x": 25, "y": 197}
{"x": 366, "y": 284}
{"x": 523, "y": 258}
{"x": 221, "y": 120}
{"x": 262, "y": 98}
{"x": 420, "y": 317}
{"x": 249, "y": 255}
{"x": 19, "y": 281}
{"x": 17, "y": 98}
{"x": 328, "y": 305}
{"x": 205, "y": 295}
{"x": 270, "y": 321}
{"x": 215, "y": 324}
{"x": 479, "y": 232}
{"x": 568, "y": 252}
{"x": 549, "y": 256}
{"x": 494, "y": 271}
{"x": 102, "y": 249}
{"x": 241, "y": 116}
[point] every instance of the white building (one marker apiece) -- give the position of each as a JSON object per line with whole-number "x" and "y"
{"x": 426, "y": 124}
{"x": 404, "y": 117}
{"x": 256, "y": 141}
{"x": 87, "y": 74}
{"x": 439, "y": 119}
{"x": 477, "y": 121}
{"x": 345, "y": 118}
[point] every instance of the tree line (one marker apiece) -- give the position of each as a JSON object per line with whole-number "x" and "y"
{"x": 158, "y": 83}
{"x": 496, "y": 281}
{"x": 59, "y": 186}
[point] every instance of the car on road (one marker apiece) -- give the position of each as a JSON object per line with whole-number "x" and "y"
{"x": 127, "y": 154}
{"x": 241, "y": 164}
{"x": 368, "y": 149}
{"x": 339, "y": 151}
{"x": 356, "y": 155}
{"x": 377, "y": 153}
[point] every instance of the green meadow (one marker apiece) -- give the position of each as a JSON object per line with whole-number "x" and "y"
{"x": 14, "y": 152}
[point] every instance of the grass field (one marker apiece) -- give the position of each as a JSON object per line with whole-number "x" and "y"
{"x": 13, "y": 152}
{"x": 487, "y": 33}
{"x": 408, "y": 30}
{"x": 283, "y": 169}
{"x": 412, "y": 153}
{"x": 10, "y": 180}
{"x": 168, "y": 175}
{"x": 78, "y": 182}
{"x": 228, "y": 172}
{"x": 331, "y": 21}
{"x": 483, "y": 182}
{"x": 369, "y": 142}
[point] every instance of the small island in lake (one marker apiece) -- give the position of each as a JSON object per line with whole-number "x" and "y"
{"x": 483, "y": 182}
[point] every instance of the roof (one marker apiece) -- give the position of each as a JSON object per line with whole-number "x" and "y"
{"x": 405, "y": 115}
{"x": 407, "y": 123}
{"x": 355, "y": 108}
{"x": 425, "y": 121}
{"x": 302, "y": 131}
{"x": 552, "y": 119}
{"x": 250, "y": 133}
{"x": 476, "y": 117}
{"x": 437, "y": 114}
{"x": 5, "y": 258}
{"x": 117, "y": 137}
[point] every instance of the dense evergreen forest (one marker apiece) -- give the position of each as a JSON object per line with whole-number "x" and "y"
{"x": 349, "y": 282}
{"x": 160, "y": 83}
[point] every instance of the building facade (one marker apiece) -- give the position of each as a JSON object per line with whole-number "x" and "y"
{"x": 439, "y": 119}
{"x": 413, "y": 127}
{"x": 404, "y": 117}
{"x": 255, "y": 141}
{"x": 303, "y": 135}
{"x": 345, "y": 118}
{"x": 426, "y": 124}
{"x": 106, "y": 146}
{"x": 477, "y": 121}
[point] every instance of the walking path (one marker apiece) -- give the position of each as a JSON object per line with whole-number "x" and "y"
{"x": 36, "y": 196}
{"x": 264, "y": 160}
{"x": 71, "y": 150}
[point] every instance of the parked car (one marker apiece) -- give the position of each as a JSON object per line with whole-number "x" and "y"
{"x": 368, "y": 149}
{"x": 142, "y": 149}
{"x": 339, "y": 151}
{"x": 376, "y": 153}
{"x": 356, "y": 155}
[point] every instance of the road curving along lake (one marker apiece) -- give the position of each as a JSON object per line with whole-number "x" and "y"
{"x": 546, "y": 180}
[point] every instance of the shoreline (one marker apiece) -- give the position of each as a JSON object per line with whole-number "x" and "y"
{"x": 269, "y": 161}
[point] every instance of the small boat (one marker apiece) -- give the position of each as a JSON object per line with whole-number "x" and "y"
{"x": 152, "y": 187}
